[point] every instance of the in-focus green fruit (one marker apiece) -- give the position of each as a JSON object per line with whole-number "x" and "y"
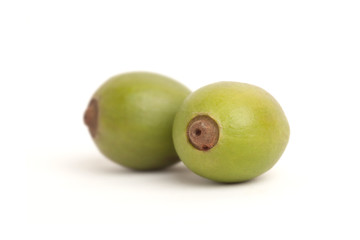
{"x": 230, "y": 131}
{"x": 130, "y": 119}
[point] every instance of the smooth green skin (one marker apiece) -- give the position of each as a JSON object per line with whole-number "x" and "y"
{"x": 253, "y": 131}
{"x": 136, "y": 112}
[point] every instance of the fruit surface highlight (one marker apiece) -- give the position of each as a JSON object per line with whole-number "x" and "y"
{"x": 130, "y": 119}
{"x": 230, "y": 131}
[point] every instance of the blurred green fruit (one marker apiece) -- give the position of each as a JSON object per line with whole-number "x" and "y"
{"x": 230, "y": 131}
{"x": 130, "y": 119}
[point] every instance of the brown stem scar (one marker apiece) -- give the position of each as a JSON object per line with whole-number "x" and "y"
{"x": 91, "y": 117}
{"x": 203, "y": 132}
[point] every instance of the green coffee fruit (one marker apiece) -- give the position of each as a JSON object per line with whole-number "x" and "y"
{"x": 130, "y": 119}
{"x": 230, "y": 131}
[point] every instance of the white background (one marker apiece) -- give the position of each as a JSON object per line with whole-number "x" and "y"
{"x": 54, "y": 55}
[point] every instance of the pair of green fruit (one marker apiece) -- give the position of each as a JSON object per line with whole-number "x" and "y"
{"x": 226, "y": 131}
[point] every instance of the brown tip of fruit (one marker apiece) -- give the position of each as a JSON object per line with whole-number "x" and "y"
{"x": 203, "y": 132}
{"x": 91, "y": 117}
